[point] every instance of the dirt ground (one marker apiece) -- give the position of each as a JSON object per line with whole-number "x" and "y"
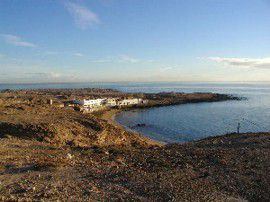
{"x": 50, "y": 153}
{"x": 216, "y": 169}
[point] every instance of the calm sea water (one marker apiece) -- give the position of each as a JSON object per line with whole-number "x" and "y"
{"x": 190, "y": 121}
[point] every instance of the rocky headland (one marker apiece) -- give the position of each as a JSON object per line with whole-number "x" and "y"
{"x": 51, "y": 152}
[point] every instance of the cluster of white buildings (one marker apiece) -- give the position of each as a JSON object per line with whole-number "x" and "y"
{"x": 90, "y": 105}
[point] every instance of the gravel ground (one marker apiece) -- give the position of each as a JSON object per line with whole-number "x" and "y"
{"x": 226, "y": 168}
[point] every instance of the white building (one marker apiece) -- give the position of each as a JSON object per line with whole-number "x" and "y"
{"x": 111, "y": 102}
{"x": 90, "y": 103}
{"x": 128, "y": 102}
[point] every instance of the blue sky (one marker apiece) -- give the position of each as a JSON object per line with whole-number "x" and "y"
{"x": 128, "y": 40}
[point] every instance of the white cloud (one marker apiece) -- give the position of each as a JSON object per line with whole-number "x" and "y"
{"x": 45, "y": 75}
{"x": 165, "y": 69}
{"x": 117, "y": 59}
{"x": 83, "y": 17}
{"x": 78, "y": 54}
{"x": 243, "y": 62}
{"x": 54, "y": 75}
{"x": 127, "y": 58}
{"x": 17, "y": 41}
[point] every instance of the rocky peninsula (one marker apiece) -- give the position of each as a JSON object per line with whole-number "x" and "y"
{"x": 51, "y": 152}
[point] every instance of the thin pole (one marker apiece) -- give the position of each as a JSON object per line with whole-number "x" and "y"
{"x": 238, "y": 128}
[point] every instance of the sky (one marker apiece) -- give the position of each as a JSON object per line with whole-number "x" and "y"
{"x": 134, "y": 40}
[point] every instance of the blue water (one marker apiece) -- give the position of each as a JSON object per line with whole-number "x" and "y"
{"x": 188, "y": 122}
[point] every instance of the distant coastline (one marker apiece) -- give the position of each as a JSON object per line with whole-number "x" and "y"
{"x": 110, "y": 115}
{"x": 125, "y": 84}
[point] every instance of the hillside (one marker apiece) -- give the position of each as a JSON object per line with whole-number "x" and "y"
{"x": 215, "y": 169}
{"x": 50, "y": 152}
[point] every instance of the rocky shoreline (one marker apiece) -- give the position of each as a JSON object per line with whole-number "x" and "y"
{"x": 28, "y": 114}
{"x": 54, "y": 153}
{"x": 169, "y": 99}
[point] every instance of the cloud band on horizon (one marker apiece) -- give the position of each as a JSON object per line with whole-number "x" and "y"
{"x": 262, "y": 63}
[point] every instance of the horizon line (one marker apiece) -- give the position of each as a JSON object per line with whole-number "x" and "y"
{"x": 77, "y": 82}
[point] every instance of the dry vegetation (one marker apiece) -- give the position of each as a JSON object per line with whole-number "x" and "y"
{"x": 222, "y": 168}
{"x": 26, "y": 114}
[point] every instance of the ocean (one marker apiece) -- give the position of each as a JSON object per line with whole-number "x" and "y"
{"x": 182, "y": 123}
